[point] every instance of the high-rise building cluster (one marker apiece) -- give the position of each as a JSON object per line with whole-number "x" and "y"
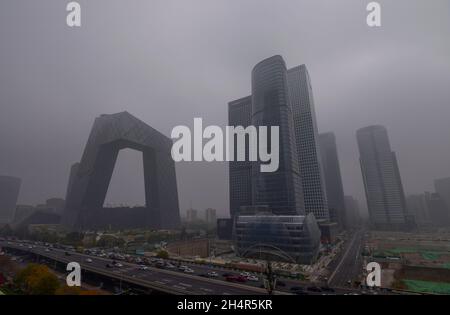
{"x": 284, "y": 98}
{"x": 209, "y": 216}
{"x": 281, "y": 209}
{"x": 308, "y": 181}
{"x": 431, "y": 209}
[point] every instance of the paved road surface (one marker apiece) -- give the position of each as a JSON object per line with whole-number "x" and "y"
{"x": 174, "y": 280}
{"x": 350, "y": 265}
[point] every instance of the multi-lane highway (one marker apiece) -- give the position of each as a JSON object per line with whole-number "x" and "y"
{"x": 176, "y": 281}
{"x": 155, "y": 278}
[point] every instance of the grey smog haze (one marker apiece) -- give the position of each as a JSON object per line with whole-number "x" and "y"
{"x": 167, "y": 61}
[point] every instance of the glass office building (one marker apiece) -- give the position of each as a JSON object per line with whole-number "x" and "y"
{"x": 383, "y": 186}
{"x": 280, "y": 190}
{"x": 9, "y": 192}
{"x": 240, "y": 172}
{"x": 333, "y": 179}
{"x": 307, "y": 142}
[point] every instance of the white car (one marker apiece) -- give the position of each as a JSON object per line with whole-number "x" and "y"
{"x": 213, "y": 274}
{"x": 47, "y": 250}
{"x": 252, "y": 278}
{"x": 189, "y": 270}
{"x": 119, "y": 265}
{"x": 143, "y": 267}
{"x": 88, "y": 260}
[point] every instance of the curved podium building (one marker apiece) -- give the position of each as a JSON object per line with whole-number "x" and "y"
{"x": 293, "y": 239}
{"x": 89, "y": 179}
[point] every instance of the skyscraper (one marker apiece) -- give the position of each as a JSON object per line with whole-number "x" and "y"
{"x": 89, "y": 180}
{"x": 333, "y": 180}
{"x": 381, "y": 176}
{"x": 9, "y": 192}
{"x": 417, "y": 206}
{"x": 240, "y": 172}
{"x": 268, "y": 210}
{"x": 307, "y": 142}
{"x": 191, "y": 215}
{"x": 442, "y": 187}
{"x": 280, "y": 190}
{"x": 353, "y": 215}
{"x": 210, "y": 216}
{"x": 437, "y": 210}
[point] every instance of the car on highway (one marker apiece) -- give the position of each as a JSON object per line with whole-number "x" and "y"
{"x": 314, "y": 289}
{"x": 169, "y": 266}
{"x": 188, "y": 270}
{"x": 213, "y": 274}
{"x": 88, "y": 260}
{"x": 67, "y": 253}
{"x": 143, "y": 267}
{"x": 236, "y": 279}
{"x": 119, "y": 265}
{"x": 47, "y": 250}
{"x": 252, "y": 278}
{"x": 160, "y": 265}
{"x": 327, "y": 289}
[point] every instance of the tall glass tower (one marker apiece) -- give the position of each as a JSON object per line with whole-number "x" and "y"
{"x": 9, "y": 192}
{"x": 333, "y": 179}
{"x": 240, "y": 172}
{"x": 307, "y": 142}
{"x": 382, "y": 182}
{"x": 280, "y": 190}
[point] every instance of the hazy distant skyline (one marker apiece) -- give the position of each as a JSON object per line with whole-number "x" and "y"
{"x": 168, "y": 61}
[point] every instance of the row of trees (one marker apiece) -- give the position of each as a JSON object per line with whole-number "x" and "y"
{"x": 36, "y": 279}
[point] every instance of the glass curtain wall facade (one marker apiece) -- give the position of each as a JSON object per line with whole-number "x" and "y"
{"x": 280, "y": 190}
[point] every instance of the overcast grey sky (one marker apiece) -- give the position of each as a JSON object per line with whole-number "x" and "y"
{"x": 168, "y": 61}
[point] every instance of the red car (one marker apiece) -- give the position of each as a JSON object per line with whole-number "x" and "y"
{"x": 236, "y": 279}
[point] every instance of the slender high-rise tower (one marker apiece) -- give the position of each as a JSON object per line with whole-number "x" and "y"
{"x": 442, "y": 187}
{"x": 333, "y": 180}
{"x": 382, "y": 182}
{"x": 281, "y": 190}
{"x": 9, "y": 192}
{"x": 240, "y": 172}
{"x": 307, "y": 143}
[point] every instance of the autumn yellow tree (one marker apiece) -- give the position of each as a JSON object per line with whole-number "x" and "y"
{"x": 37, "y": 280}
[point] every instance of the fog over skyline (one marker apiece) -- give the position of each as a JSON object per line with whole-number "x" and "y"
{"x": 168, "y": 61}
